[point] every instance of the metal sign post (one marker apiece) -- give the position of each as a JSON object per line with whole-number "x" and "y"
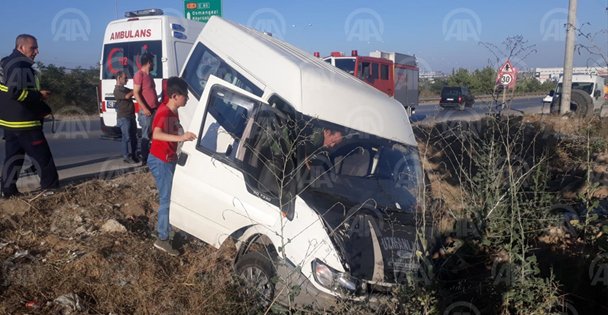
{"x": 507, "y": 77}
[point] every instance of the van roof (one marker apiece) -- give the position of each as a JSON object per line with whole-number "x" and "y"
{"x": 309, "y": 84}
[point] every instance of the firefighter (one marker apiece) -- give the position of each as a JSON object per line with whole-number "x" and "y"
{"x": 22, "y": 109}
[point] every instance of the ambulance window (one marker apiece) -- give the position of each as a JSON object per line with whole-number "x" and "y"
{"x": 375, "y": 71}
{"x": 225, "y": 122}
{"x": 203, "y": 62}
{"x": 125, "y": 57}
{"x": 384, "y": 72}
{"x": 181, "y": 53}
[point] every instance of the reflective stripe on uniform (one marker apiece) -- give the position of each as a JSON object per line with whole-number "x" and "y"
{"x": 22, "y": 96}
{"x": 20, "y": 124}
{"x": 3, "y": 88}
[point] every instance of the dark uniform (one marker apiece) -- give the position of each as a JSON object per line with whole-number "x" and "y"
{"x": 22, "y": 110}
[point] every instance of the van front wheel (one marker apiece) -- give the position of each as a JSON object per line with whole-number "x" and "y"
{"x": 258, "y": 273}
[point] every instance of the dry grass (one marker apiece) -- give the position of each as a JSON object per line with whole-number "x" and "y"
{"x": 110, "y": 272}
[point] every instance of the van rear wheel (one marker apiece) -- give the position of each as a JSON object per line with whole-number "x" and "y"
{"x": 584, "y": 103}
{"x": 257, "y": 272}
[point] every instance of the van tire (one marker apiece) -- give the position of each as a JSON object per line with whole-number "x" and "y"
{"x": 257, "y": 272}
{"x": 584, "y": 103}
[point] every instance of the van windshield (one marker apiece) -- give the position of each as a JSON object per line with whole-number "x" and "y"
{"x": 585, "y": 86}
{"x": 125, "y": 57}
{"x": 361, "y": 169}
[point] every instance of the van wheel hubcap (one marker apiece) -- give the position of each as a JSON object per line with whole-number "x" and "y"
{"x": 257, "y": 280}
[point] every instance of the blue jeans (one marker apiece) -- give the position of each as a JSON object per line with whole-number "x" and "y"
{"x": 128, "y": 129}
{"x": 163, "y": 175}
{"x": 146, "y": 134}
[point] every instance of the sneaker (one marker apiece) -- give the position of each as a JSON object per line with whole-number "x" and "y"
{"x": 129, "y": 160}
{"x": 135, "y": 158}
{"x": 166, "y": 247}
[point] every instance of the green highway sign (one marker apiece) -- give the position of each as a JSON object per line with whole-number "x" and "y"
{"x": 202, "y": 10}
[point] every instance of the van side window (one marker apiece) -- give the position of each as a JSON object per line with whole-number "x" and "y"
{"x": 224, "y": 122}
{"x": 203, "y": 62}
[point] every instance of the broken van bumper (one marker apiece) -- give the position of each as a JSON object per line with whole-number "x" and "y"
{"x": 297, "y": 290}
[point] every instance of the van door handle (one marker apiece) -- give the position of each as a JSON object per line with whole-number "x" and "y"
{"x": 182, "y": 158}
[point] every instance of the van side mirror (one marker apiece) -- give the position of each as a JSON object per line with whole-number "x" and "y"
{"x": 597, "y": 94}
{"x": 289, "y": 201}
{"x": 552, "y": 92}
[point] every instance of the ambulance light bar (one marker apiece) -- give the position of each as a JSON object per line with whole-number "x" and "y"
{"x": 146, "y": 12}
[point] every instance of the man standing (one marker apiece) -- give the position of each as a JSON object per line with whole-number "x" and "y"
{"x": 126, "y": 118}
{"x": 22, "y": 109}
{"x": 144, "y": 90}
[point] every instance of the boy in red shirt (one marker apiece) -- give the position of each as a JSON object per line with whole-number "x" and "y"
{"x": 163, "y": 155}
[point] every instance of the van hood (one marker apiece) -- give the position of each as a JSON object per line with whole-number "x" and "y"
{"x": 374, "y": 233}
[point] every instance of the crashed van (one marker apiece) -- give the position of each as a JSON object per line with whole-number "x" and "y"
{"x": 334, "y": 221}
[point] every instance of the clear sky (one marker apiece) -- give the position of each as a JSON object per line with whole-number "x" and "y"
{"x": 443, "y": 34}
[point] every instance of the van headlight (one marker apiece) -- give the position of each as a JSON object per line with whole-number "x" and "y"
{"x": 332, "y": 279}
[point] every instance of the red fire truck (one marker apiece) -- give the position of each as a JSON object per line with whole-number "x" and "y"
{"x": 392, "y": 73}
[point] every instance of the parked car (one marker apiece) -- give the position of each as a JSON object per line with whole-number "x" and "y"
{"x": 456, "y": 97}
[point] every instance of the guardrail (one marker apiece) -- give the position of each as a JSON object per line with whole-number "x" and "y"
{"x": 482, "y": 98}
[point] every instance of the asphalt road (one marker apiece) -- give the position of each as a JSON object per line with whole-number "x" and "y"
{"x": 80, "y": 152}
{"x": 434, "y": 113}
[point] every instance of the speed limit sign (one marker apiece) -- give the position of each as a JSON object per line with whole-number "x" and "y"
{"x": 506, "y": 79}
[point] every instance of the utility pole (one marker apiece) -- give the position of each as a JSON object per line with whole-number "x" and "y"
{"x": 568, "y": 58}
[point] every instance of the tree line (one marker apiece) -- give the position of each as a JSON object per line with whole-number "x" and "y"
{"x": 73, "y": 88}
{"x": 77, "y": 88}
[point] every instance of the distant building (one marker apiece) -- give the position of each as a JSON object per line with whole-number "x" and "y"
{"x": 544, "y": 74}
{"x": 432, "y": 75}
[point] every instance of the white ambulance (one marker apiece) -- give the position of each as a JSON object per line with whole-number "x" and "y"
{"x": 334, "y": 219}
{"x": 168, "y": 38}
